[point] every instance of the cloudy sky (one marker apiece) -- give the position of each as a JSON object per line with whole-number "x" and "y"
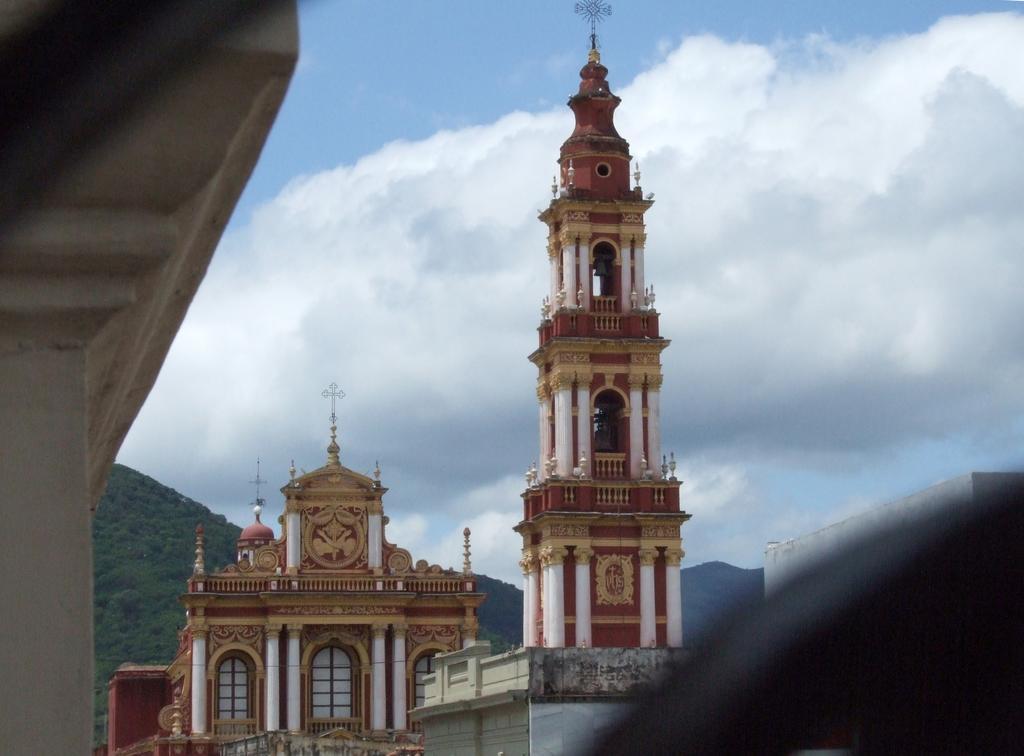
{"x": 836, "y": 244}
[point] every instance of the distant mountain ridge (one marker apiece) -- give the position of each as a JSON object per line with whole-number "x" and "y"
{"x": 144, "y": 547}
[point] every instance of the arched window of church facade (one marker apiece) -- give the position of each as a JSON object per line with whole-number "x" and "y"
{"x": 424, "y": 667}
{"x": 233, "y": 689}
{"x": 331, "y": 681}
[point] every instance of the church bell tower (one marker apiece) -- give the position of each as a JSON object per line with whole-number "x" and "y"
{"x": 601, "y": 522}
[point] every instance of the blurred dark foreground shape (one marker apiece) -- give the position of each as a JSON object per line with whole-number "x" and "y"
{"x": 908, "y": 640}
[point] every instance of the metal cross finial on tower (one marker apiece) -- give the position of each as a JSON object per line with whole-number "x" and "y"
{"x": 333, "y": 393}
{"x": 594, "y": 11}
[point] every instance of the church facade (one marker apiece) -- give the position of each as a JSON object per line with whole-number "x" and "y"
{"x": 602, "y": 522}
{"x": 327, "y": 631}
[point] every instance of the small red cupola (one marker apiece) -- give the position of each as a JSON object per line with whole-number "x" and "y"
{"x": 595, "y": 160}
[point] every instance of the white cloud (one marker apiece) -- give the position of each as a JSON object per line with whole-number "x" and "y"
{"x": 836, "y": 247}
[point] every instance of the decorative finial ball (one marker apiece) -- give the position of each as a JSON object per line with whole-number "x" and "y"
{"x": 199, "y": 529}
{"x": 256, "y": 510}
{"x": 465, "y": 532}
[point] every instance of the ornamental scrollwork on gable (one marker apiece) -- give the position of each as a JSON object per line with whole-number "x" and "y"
{"x": 399, "y": 561}
{"x": 446, "y": 635}
{"x": 334, "y": 537}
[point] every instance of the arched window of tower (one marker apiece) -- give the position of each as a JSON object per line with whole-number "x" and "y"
{"x": 604, "y": 270}
{"x": 608, "y": 416}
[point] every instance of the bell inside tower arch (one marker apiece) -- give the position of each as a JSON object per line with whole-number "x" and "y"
{"x": 608, "y": 416}
{"x": 604, "y": 270}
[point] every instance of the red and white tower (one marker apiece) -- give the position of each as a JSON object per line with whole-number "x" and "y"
{"x": 601, "y": 523}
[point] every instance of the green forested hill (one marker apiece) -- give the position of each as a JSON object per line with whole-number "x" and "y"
{"x": 143, "y": 538}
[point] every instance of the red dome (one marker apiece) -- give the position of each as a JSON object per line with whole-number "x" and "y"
{"x": 257, "y": 532}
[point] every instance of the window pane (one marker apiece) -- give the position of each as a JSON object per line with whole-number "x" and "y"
{"x": 321, "y": 699}
{"x": 321, "y": 686}
{"x": 321, "y": 712}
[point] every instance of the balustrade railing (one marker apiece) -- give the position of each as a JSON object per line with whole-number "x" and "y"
{"x": 319, "y": 726}
{"x": 239, "y": 727}
{"x": 609, "y": 465}
{"x": 603, "y": 322}
{"x": 332, "y": 584}
{"x": 606, "y": 304}
{"x": 612, "y": 495}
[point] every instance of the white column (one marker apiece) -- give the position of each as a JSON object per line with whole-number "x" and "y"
{"x": 563, "y": 429}
{"x": 292, "y": 547}
{"x": 294, "y": 659}
{"x": 198, "y": 682}
{"x": 585, "y": 278}
{"x": 399, "y": 708}
{"x": 583, "y": 632}
{"x": 673, "y": 599}
{"x": 636, "y": 425}
{"x": 648, "y": 627}
{"x": 378, "y": 684}
{"x": 375, "y": 538}
{"x": 654, "y": 424}
{"x": 626, "y": 276}
{"x": 554, "y": 612}
{"x": 528, "y": 565}
{"x": 638, "y": 270}
{"x": 544, "y": 419}
{"x": 555, "y": 283}
{"x": 569, "y": 273}
{"x": 583, "y": 424}
{"x": 273, "y": 662}
{"x": 533, "y": 604}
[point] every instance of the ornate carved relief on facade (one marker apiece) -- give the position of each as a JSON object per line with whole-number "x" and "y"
{"x": 644, "y": 358}
{"x": 334, "y": 537}
{"x": 249, "y": 635}
{"x": 334, "y": 609}
{"x": 566, "y": 530}
{"x": 613, "y": 578}
{"x": 445, "y": 635}
{"x": 632, "y": 218}
{"x": 399, "y": 561}
{"x": 351, "y": 635}
{"x": 659, "y": 531}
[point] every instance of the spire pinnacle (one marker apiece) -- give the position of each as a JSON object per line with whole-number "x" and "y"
{"x": 467, "y": 567}
{"x": 333, "y": 393}
{"x": 199, "y": 568}
{"x": 257, "y": 481}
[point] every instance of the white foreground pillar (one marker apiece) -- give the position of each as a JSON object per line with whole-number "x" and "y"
{"x": 584, "y": 638}
{"x": 528, "y": 564}
{"x": 273, "y": 663}
{"x": 626, "y": 276}
{"x": 399, "y": 707}
{"x": 293, "y": 544}
{"x": 654, "y": 424}
{"x": 198, "y": 681}
{"x": 673, "y": 599}
{"x": 378, "y": 680}
{"x": 648, "y": 625}
{"x": 294, "y": 659}
{"x": 556, "y": 283}
{"x": 636, "y": 425}
{"x": 583, "y": 425}
{"x": 563, "y": 426}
